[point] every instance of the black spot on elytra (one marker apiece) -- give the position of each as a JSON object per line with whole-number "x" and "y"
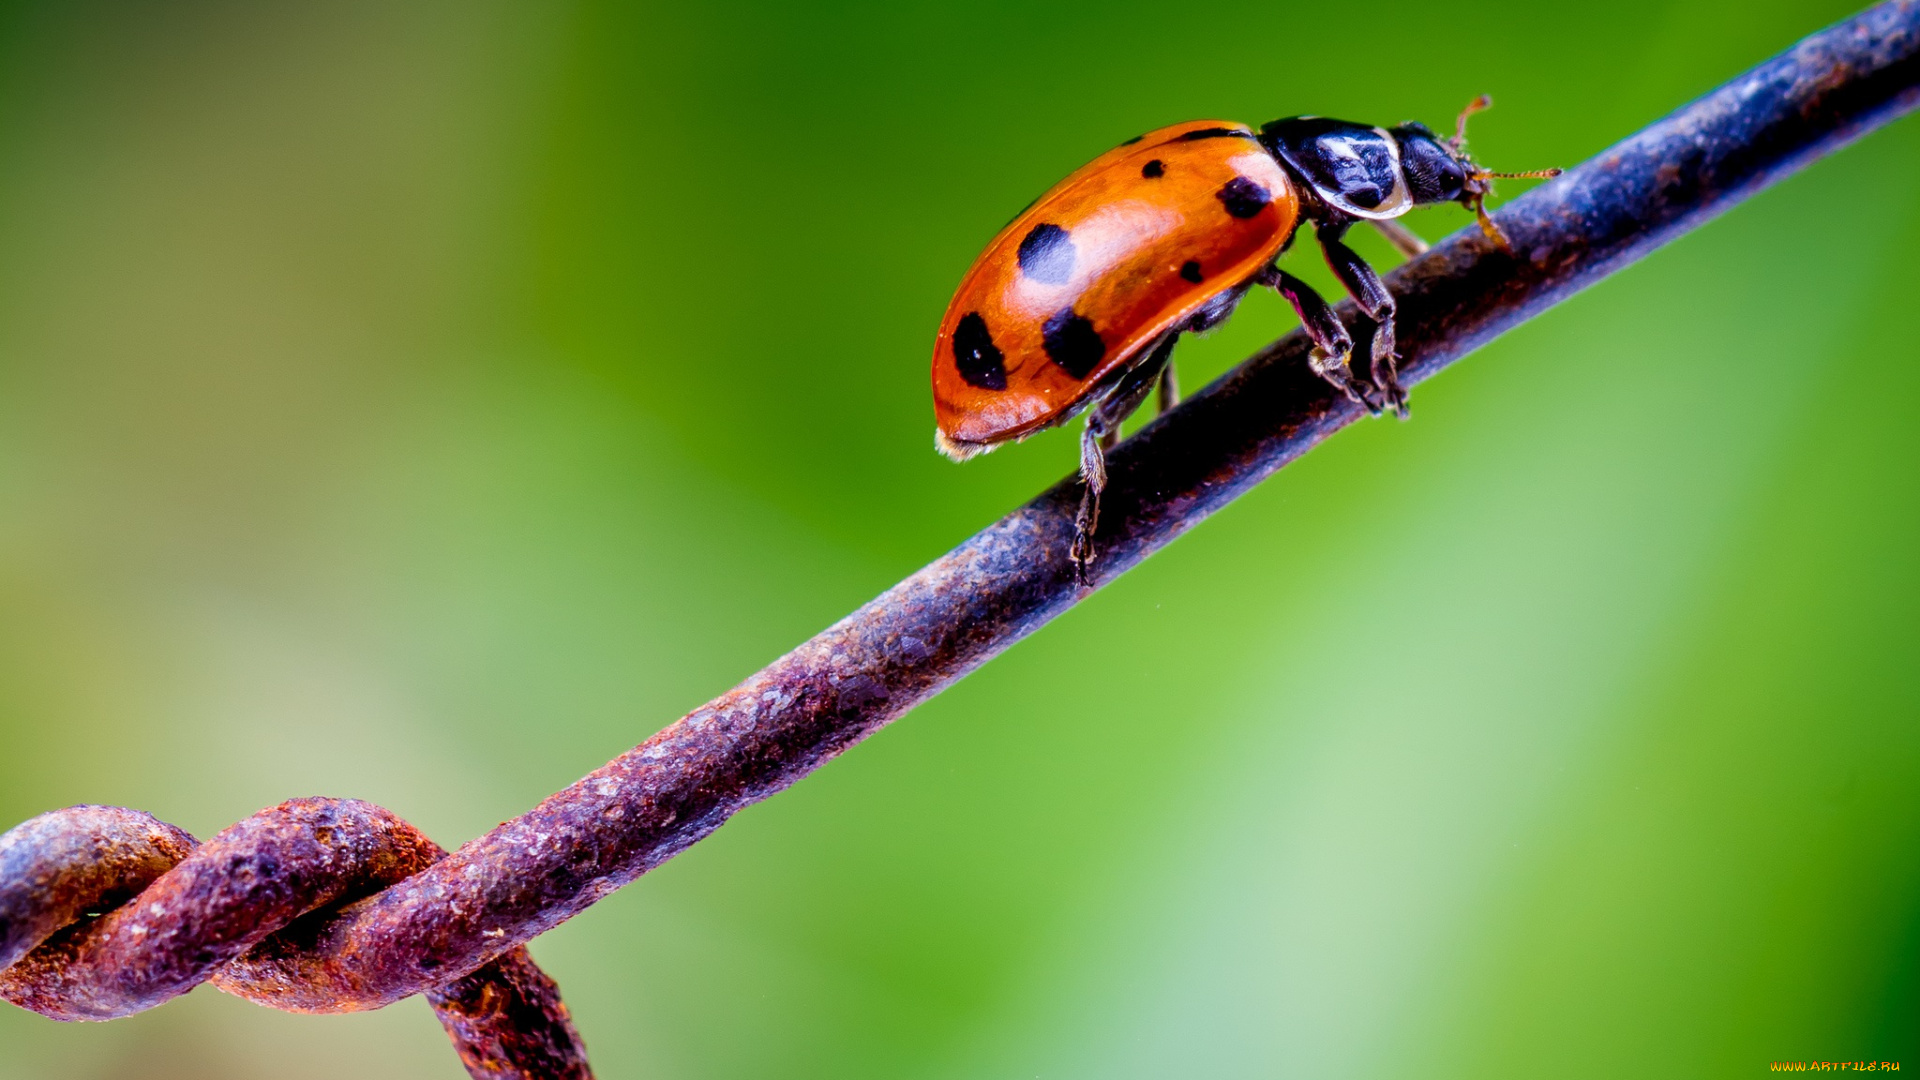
{"x": 1191, "y": 271}
{"x": 1215, "y": 133}
{"x": 1153, "y": 170}
{"x": 1046, "y": 255}
{"x": 975, "y": 356}
{"x": 1243, "y": 198}
{"x": 1071, "y": 342}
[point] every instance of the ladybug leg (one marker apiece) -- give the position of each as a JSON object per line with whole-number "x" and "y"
{"x": 1404, "y": 240}
{"x": 1093, "y": 475}
{"x": 1363, "y": 283}
{"x": 1211, "y": 314}
{"x": 1331, "y": 345}
{"x": 1102, "y": 431}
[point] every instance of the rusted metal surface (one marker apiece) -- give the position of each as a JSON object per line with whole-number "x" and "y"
{"x": 61, "y": 867}
{"x": 507, "y": 1023}
{"x": 105, "y": 912}
{"x": 530, "y": 874}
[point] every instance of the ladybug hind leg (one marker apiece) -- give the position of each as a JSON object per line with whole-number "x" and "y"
{"x": 1102, "y": 431}
{"x": 1363, "y": 283}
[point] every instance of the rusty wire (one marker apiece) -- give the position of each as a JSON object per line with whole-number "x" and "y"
{"x": 94, "y": 901}
{"x": 331, "y": 905}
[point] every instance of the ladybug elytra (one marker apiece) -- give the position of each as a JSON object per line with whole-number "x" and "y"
{"x": 1076, "y": 305}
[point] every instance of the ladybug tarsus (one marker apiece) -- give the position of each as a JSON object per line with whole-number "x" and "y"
{"x": 1075, "y": 306}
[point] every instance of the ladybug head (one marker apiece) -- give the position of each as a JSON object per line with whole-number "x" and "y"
{"x": 1440, "y": 170}
{"x": 1434, "y": 172}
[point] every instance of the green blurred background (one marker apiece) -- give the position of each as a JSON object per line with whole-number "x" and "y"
{"x": 425, "y": 402}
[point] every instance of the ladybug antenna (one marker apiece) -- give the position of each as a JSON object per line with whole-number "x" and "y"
{"x": 1532, "y": 174}
{"x": 1479, "y": 187}
{"x": 1479, "y": 181}
{"x": 1459, "y": 140}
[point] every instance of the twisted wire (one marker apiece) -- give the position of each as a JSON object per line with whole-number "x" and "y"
{"x": 322, "y": 905}
{"x": 105, "y": 912}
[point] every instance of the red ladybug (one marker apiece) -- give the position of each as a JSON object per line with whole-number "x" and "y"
{"x": 1079, "y": 300}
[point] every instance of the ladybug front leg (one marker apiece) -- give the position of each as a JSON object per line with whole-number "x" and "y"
{"x": 1363, "y": 283}
{"x": 1102, "y": 431}
{"x": 1404, "y": 240}
{"x": 1331, "y": 345}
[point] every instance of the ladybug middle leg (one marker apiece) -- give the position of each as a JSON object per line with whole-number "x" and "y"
{"x": 1211, "y": 314}
{"x": 1169, "y": 391}
{"x": 1103, "y": 428}
{"x": 1363, "y": 283}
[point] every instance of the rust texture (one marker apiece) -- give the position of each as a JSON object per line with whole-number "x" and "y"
{"x": 370, "y": 912}
{"x": 63, "y": 866}
{"x": 106, "y": 911}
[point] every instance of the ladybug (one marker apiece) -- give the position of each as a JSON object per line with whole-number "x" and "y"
{"x": 1075, "y": 306}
